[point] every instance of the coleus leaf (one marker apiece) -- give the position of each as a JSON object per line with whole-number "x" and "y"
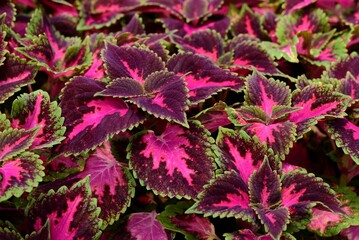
{"x": 294, "y": 5}
{"x": 225, "y": 196}
{"x": 15, "y": 141}
{"x": 207, "y": 42}
{"x": 3, "y": 44}
{"x": 266, "y": 93}
{"x": 162, "y": 94}
{"x": 72, "y": 213}
{"x": 265, "y": 195}
{"x": 178, "y": 157}
{"x": 134, "y": 26}
{"x": 247, "y": 234}
{"x": 16, "y": 73}
{"x": 90, "y": 120}
{"x": 20, "y": 174}
{"x": 36, "y": 110}
{"x": 4, "y": 122}
{"x": 131, "y": 62}
{"x": 7, "y": 7}
{"x": 145, "y": 226}
{"x": 8, "y": 231}
{"x": 317, "y": 101}
{"x": 245, "y": 21}
{"x": 98, "y": 6}
{"x": 96, "y": 70}
{"x": 110, "y": 182}
{"x": 278, "y": 136}
{"x": 340, "y": 69}
{"x": 182, "y": 28}
{"x": 42, "y": 233}
{"x": 191, "y": 225}
{"x": 349, "y": 86}
{"x": 346, "y": 135}
{"x": 202, "y": 76}
{"x": 58, "y": 55}
{"x": 189, "y": 9}
{"x": 242, "y": 153}
{"x": 249, "y": 54}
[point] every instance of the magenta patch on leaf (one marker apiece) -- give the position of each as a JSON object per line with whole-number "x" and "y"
{"x": 36, "y": 110}
{"x": 15, "y": 74}
{"x": 316, "y": 102}
{"x": 146, "y": 226}
{"x": 19, "y": 175}
{"x": 178, "y": 157}
{"x": 202, "y": 76}
{"x": 195, "y": 225}
{"x": 72, "y": 213}
{"x": 346, "y": 136}
{"x": 131, "y": 62}
{"x": 278, "y": 136}
{"x": 90, "y": 120}
{"x": 109, "y": 181}
{"x": 226, "y": 196}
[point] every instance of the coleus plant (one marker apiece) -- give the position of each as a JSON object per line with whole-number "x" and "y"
{"x": 179, "y": 119}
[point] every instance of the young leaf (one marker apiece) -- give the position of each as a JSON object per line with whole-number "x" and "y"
{"x": 36, "y": 110}
{"x": 16, "y": 73}
{"x": 179, "y": 162}
{"x": 163, "y": 94}
{"x": 20, "y": 174}
{"x": 110, "y": 182}
{"x": 89, "y": 121}
{"x": 72, "y": 213}
{"x": 266, "y": 93}
{"x": 225, "y": 196}
{"x": 265, "y": 196}
{"x": 316, "y": 102}
{"x": 131, "y": 62}
{"x": 346, "y": 135}
{"x": 146, "y": 226}
{"x": 202, "y": 76}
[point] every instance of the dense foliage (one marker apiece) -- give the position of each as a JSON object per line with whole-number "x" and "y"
{"x": 179, "y": 119}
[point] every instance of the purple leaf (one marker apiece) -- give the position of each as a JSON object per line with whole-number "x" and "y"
{"x": 346, "y": 136}
{"x": 208, "y": 43}
{"x": 278, "y": 136}
{"x": 16, "y": 73}
{"x": 316, "y": 102}
{"x": 219, "y": 25}
{"x": 163, "y": 94}
{"x": 266, "y": 93}
{"x": 265, "y": 196}
{"x": 348, "y": 64}
{"x": 8, "y": 231}
{"x": 7, "y": 7}
{"x": 96, "y": 70}
{"x": 179, "y": 162}
{"x": 131, "y": 62}
{"x": 36, "y": 110}
{"x": 241, "y": 152}
{"x": 349, "y": 86}
{"x": 14, "y": 142}
{"x": 110, "y": 183}
{"x": 20, "y": 174}
{"x": 72, "y": 213}
{"x": 301, "y": 191}
{"x": 294, "y": 5}
{"x": 98, "y": 6}
{"x": 352, "y": 232}
{"x": 247, "y": 55}
{"x": 3, "y": 44}
{"x": 135, "y": 26}
{"x": 146, "y": 226}
{"x": 43, "y": 233}
{"x": 90, "y": 120}
{"x": 226, "y": 196}
{"x": 202, "y": 76}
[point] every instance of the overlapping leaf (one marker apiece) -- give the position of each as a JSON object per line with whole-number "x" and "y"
{"x": 3, "y": 44}
{"x": 72, "y": 213}
{"x": 58, "y": 55}
{"x": 340, "y": 69}
{"x": 110, "y": 183}
{"x": 16, "y": 73}
{"x": 346, "y": 135}
{"x": 8, "y": 8}
{"x": 90, "y": 120}
{"x": 8, "y": 231}
{"x": 36, "y": 110}
{"x": 202, "y": 76}
{"x": 145, "y": 225}
{"x": 294, "y": 5}
{"x": 178, "y": 162}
